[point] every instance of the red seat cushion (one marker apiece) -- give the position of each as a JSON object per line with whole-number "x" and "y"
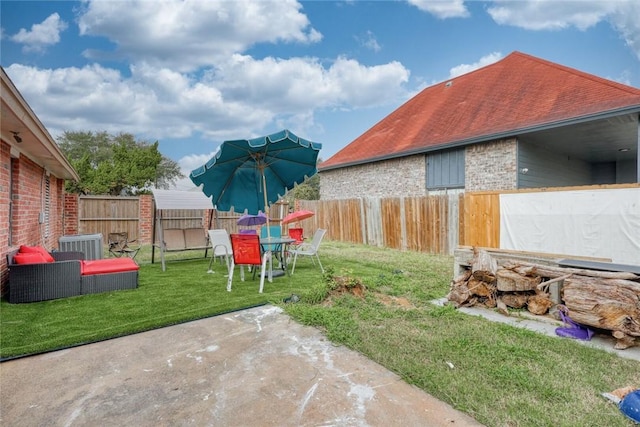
{"x": 24, "y": 249}
{"x": 29, "y": 258}
{"x": 108, "y": 265}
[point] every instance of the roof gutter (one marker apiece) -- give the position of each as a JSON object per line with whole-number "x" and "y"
{"x": 491, "y": 137}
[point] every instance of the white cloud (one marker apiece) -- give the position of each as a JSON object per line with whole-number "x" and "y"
{"x": 626, "y": 20}
{"x": 185, "y": 35}
{"x": 243, "y": 95}
{"x": 369, "y": 41}
{"x": 623, "y": 15}
{"x": 482, "y": 62}
{"x": 41, "y": 35}
{"x": 549, "y": 14}
{"x": 442, "y": 8}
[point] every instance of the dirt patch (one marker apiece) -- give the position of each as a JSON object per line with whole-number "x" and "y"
{"x": 390, "y": 301}
{"x": 347, "y": 285}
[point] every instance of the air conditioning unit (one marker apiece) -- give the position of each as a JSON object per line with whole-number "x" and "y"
{"x": 89, "y": 244}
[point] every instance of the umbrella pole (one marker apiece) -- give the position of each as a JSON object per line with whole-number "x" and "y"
{"x": 266, "y": 205}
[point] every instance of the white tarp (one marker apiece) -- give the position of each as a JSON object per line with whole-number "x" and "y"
{"x": 176, "y": 199}
{"x": 598, "y": 223}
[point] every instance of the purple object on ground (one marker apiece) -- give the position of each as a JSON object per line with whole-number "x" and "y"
{"x": 571, "y": 328}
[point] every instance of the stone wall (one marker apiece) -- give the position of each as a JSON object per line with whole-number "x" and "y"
{"x": 491, "y": 166}
{"x": 488, "y": 166}
{"x": 389, "y": 178}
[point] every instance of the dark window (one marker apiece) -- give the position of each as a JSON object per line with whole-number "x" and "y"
{"x": 445, "y": 169}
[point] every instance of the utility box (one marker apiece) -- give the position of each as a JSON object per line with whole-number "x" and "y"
{"x": 89, "y": 244}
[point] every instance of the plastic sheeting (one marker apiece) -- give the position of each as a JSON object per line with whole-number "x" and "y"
{"x": 597, "y": 223}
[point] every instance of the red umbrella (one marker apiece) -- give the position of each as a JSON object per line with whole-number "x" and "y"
{"x": 297, "y": 216}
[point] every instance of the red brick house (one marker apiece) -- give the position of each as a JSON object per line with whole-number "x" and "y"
{"x": 33, "y": 171}
{"x": 522, "y": 122}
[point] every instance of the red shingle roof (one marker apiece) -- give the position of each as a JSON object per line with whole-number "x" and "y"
{"x": 515, "y": 93}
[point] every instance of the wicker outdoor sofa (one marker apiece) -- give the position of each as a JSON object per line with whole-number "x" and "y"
{"x": 68, "y": 275}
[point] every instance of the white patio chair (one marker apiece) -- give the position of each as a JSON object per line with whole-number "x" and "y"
{"x": 309, "y": 249}
{"x": 221, "y": 247}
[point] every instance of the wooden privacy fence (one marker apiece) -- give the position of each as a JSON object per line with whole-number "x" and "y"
{"x": 432, "y": 224}
{"x": 108, "y": 214}
{"x": 135, "y": 216}
{"x": 429, "y": 224}
{"x": 436, "y": 223}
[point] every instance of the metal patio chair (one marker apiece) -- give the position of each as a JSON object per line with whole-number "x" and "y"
{"x": 309, "y": 249}
{"x": 120, "y": 245}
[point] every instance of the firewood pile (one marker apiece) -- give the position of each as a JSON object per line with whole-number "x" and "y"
{"x": 600, "y": 299}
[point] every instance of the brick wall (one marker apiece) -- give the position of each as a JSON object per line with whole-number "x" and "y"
{"x": 491, "y": 166}
{"x": 70, "y": 214}
{"x": 389, "y": 178}
{"x": 28, "y": 185}
{"x": 146, "y": 219}
{"x": 5, "y": 173}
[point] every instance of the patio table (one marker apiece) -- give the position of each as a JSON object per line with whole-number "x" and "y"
{"x": 274, "y": 245}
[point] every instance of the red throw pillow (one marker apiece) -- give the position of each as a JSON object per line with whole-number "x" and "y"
{"x": 38, "y": 250}
{"x": 28, "y": 258}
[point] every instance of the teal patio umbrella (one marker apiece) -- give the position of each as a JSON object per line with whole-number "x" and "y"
{"x": 249, "y": 174}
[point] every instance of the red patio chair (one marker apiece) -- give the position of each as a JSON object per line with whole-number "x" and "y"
{"x": 297, "y": 234}
{"x": 247, "y": 251}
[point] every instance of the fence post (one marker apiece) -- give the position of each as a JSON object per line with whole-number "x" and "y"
{"x": 145, "y": 225}
{"x": 70, "y": 215}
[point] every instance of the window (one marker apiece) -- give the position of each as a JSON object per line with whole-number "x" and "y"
{"x": 445, "y": 169}
{"x": 14, "y": 167}
{"x": 47, "y": 204}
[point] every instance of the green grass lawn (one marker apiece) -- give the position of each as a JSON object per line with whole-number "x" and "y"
{"x": 499, "y": 374}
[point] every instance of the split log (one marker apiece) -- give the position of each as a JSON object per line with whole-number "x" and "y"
{"x": 623, "y": 341}
{"x": 462, "y": 277}
{"x": 483, "y": 266}
{"x": 502, "y": 307}
{"x": 514, "y": 300}
{"x": 480, "y": 288}
{"x": 528, "y": 268}
{"x": 539, "y": 304}
{"x": 509, "y": 281}
{"x": 604, "y": 303}
{"x": 459, "y": 294}
{"x": 490, "y": 302}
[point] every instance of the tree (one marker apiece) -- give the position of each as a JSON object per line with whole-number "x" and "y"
{"x": 116, "y": 165}
{"x": 307, "y": 190}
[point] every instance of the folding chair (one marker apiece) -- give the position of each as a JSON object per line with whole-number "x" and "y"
{"x": 119, "y": 245}
{"x": 298, "y": 235}
{"x": 220, "y": 245}
{"x": 309, "y": 249}
{"x": 247, "y": 251}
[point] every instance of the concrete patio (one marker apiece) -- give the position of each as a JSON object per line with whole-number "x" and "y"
{"x": 254, "y": 367}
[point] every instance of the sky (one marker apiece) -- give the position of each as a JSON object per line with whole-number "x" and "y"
{"x": 191, "y": 74}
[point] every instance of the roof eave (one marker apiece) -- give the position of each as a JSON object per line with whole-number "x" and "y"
{"x": 492, "y": 137}
{"x": 18, "y": 106}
